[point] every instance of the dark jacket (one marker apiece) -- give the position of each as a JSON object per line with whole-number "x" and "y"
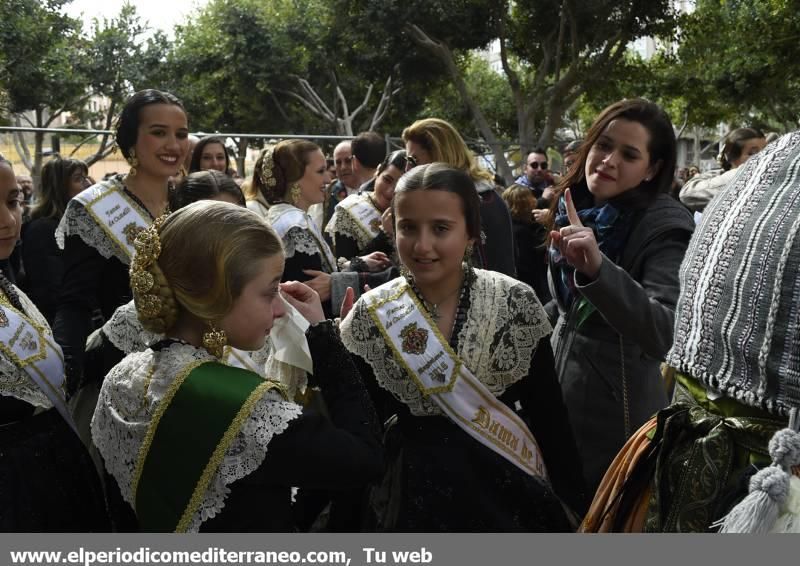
{"x": 609, "y": 368}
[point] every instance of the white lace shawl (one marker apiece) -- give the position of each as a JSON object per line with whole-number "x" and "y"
{"x": 15, "y": 382}
{"x": 125, "y": 331}
{"x": 343, "y": 222}
{"x": 126, "y": 406}
{"x": 298, "y": 238}
{"x": 505, "y": 322}
{"x": 77, "y": 221}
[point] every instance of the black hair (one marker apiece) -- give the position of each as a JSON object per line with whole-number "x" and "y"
{"x": 203, "y": 185}
{"x": 369, "y": 148}
{"x": 127, "y": 124}
{"x": 397, "y": 158}
{"x": 442, "y": 177}
{"x": 197, "y": 153}
{"x": 733, "y": 145}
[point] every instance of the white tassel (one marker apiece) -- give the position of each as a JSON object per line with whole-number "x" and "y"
{"x": 789, "y": 520}
{"x": 769, "y": 490}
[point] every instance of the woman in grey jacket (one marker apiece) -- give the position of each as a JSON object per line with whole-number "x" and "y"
{"x": 617, "y": 244}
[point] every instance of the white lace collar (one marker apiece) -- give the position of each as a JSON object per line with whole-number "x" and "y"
{"x": 128, "y": 400}
{"x": 344, "y": 222}
{"x": 15, "y": 382}
{"x": 505, "y": 322}
{"x": 78, "y": 221}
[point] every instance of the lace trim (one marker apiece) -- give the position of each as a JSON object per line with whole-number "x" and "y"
{"x": 128, "y": 400}
{"x": 14, "y": 382}
{"x": 125, "y": 331}
{"x": 77, "y": 221}
{"x": 342, "y": 222}
{"x": 505, "y": 322}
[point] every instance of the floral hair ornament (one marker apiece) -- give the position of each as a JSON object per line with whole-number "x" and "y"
{"x": 267, "y": 166}
{"x": 148, "y": 248}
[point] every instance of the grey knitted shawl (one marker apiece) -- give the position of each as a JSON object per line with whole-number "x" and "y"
{"x": 737, "y": 323}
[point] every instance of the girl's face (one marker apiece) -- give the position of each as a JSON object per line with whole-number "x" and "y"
{"x": 213, "y": 158}
{"x": 313, "y": 182}
{"x": 162, "y": 140}
{"x": 749, "y": 149}
{"x": 10, "y": 211}
{"x": 432, "y": 236}
{"x": 385, "y": 183}
{"x": 619, "y": 160}
{"x": 254, "y": 311}
{"x": 78, "y": 181}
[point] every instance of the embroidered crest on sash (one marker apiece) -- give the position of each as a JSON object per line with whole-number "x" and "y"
{"x": 3, "y": 319}
{"x": 415, "y": 339}
{"x": 375, "y": 224}
{"x": 131, "y": 231}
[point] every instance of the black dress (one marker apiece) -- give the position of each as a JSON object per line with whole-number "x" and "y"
{"x": 44, "y": 265}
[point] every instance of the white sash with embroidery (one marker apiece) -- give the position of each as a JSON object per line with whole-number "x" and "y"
{"x": 441, "y": 375}
{"x": 293, "y": 217}
{"x": 120, "y": 217}
{"x": 361, "y": 209}
{"x": 239, "y": 359}
{"x": 31, "y": 348}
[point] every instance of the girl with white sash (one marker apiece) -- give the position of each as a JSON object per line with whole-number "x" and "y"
{"x": 288, "y": 179}
{"x": 358, "y": 222}
{"x": 461, "y": 358}
{"x": 194, "y": 444}
{"x": 100, "y": 224}
{"x": 48, "y": 483}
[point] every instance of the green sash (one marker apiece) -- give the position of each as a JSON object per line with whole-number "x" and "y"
{"x": 186, "y": 441}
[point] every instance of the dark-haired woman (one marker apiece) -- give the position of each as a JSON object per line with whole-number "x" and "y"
{"x": 99, "y": 226}
{"x": 47, "y": 480}
{"x": 462, "y": 357}
{"x": 739, "y": 146}
{"x": 617, "y": 245}
{"x": 210, "y": 153}
{"x": 61, "y": 180}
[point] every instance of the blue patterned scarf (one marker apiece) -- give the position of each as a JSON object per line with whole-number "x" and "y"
{"x": 611, "y": 226}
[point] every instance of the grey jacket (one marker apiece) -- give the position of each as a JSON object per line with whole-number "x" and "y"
{"x": 609, "y": 368}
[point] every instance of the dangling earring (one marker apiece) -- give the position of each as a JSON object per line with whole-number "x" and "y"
{"x": 295, "y": 194}
{"x": 468, "y": 253}
{"x": 133, "y": 162}
{"x": 182, "y": 171}
{"x": 214, "y": 340}
{"x": 405, "y": 272}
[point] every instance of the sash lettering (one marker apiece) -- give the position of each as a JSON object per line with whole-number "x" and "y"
{"x": 116, "y": 213}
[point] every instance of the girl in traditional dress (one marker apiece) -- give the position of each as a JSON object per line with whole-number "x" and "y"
{"x": 461, "y": 358}
{"x": 100, "y": 224}
{"x": 287, "y": 180}
{"x": 198, "y": 445}
{"x": 357, "y": 224}
{"x": 617, "y": 245}
{"x": 48, "y": 483}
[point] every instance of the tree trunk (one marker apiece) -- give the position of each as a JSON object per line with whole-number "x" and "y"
{"x": 241, "y": 154}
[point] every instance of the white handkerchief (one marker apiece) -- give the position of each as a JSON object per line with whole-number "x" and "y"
{"x": 289, "y": 341}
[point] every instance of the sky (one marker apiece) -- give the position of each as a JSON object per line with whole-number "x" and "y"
{"x": 161, "y": 14}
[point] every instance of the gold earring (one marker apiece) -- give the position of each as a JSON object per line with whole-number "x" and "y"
{"x": 133, "y": 162}
{"x": 295, "y": 194}
{"x": 215, "y": 340}
{"x": 182, "y": 171}
{"x": 468, "y": 253}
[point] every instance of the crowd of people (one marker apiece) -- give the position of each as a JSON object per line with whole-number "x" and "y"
{"x": 406, "y": 347}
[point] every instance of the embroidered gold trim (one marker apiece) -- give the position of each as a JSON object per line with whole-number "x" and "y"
{"x": 112, "y": 189}
{"x": 219, "y": 454}
{"x": 157, "y": 414}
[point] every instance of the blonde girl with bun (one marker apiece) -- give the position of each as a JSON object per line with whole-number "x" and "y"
{"x": 197, "y": 445}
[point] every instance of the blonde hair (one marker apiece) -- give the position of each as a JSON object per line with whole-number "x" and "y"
{"x": 209, "y": 251}
{"x": 289, "y": 160}
{"x": 445, "y": 144}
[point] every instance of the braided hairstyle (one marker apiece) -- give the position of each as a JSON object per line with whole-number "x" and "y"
{"x": 289, "y": 160}
{"x": 197, "y": 261}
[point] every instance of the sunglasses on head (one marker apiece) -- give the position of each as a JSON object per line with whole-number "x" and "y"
{"x": 536, "y": 164}
{"x": 411, "y": 162}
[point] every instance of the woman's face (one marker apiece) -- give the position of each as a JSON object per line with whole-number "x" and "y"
{"x": 78, "y": 181}
{"x": 431, "y": 233}
{"x": 162, "y": 140}
{"x": 254, "y": 311}
{"x": 385, "y": 183}
{"x": 416, "y": 155}
{"x": 10, "y": 211}
{"x": 619, "y": 160}
{"x": 749, "y": 149}
{"x": 213, "y": 158}
{"x": 313, "y": 182}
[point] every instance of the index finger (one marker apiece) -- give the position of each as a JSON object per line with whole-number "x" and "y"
{"x": 572, "y": 214}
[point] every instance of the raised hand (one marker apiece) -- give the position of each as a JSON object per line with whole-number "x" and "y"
{"x": 304, "y": 299}
{"x": 320, "y": 282}
{"x": 577, "y": 243}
